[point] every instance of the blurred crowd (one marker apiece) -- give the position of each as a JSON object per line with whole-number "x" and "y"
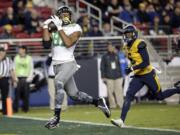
{"x": 23, "y": 18}
{"x": 151, "y": 16}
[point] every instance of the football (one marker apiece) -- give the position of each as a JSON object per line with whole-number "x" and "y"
{"x": 52, "y": 27}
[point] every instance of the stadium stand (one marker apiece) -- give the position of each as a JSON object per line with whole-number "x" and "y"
{"x": 22, "y": 35}
{"x": 36, "y": 35}
{"x": 17, "y": 29}
{"x": 140, "y": 9}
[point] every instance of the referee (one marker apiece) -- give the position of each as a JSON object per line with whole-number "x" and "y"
{"x": 6, "y": 70}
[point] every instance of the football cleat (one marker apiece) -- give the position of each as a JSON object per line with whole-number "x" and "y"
{"x": 52, "y": 123}
{"x": 118, "y": 123}
{"x": 103, "y": 107}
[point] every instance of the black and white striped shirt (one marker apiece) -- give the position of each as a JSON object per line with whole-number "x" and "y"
{"x": 6, "y": 65}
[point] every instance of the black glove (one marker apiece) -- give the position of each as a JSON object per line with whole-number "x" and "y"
{"x": 128, "y": 70}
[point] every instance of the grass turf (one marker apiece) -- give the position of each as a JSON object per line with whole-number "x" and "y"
{"x": 13, "y": 126}
{"x": 143, "y": 115}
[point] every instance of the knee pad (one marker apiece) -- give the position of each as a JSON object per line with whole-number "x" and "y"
{"x": 59, "y": 84}
{"x": 59, "y": 98}
{"x": 59, "y": 94}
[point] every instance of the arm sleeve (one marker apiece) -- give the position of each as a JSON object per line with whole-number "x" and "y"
{"x": 46, "y": 44}
{"x": 145, "y": 56}
{"x": 103, "y": 67}
{"x": 78, "y": 28}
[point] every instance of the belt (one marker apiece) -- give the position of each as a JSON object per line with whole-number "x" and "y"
{"x": 4, "y": 77}
{"x": 51, "y": 76}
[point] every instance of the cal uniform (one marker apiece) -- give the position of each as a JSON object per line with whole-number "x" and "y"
{"x": 144, "y": 74}
{"x": 143, "y": 70}
{"x": 136, "y": 59}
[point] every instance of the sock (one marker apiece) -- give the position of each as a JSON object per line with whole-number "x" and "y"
{"x": 57, "y": 112}
{"x": 125, "y": 109}
{"x": 170, "y": 92}
{"x": 95, "y": 102}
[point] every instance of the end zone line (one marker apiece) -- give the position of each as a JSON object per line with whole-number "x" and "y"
{"x": 96, "y": 124}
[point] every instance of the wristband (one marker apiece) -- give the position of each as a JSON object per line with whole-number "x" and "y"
{"x": 59, "y": 28}
{"x": 45, "y": 26}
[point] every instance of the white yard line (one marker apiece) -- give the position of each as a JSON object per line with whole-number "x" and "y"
{"x": 97, "y": 124}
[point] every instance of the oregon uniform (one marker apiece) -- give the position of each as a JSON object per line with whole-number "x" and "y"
{"x": 64, "y": 41}
{"x": 144, "y": 74}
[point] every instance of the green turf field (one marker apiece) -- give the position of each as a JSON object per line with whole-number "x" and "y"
{"x": 11, "y": 126}
{"x": 141, "y": 115}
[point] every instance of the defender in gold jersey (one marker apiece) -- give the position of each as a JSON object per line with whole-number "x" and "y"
{"x": 144, "y": 74}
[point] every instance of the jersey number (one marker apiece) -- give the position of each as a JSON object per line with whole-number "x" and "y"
{"x": 57, "y": 41}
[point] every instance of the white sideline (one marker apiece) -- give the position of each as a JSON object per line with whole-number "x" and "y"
{"x": 96, "y": 124}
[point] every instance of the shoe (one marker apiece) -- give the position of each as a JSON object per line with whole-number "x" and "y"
{"x": 103, "y": 107}
{"x": 118, "y": 123}
{"x": 177, "y": 85}
{"x": 52, "y": 123}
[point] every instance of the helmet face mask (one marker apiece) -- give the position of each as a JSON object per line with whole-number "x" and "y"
{"x": 64, "y": 13}
{"x": 128, "y": 37}
{"x": 129, "y": 33}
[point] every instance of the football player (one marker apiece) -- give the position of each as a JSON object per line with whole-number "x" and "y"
{"x": 144, "y": 74}
{"x": 64, "y": 39}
